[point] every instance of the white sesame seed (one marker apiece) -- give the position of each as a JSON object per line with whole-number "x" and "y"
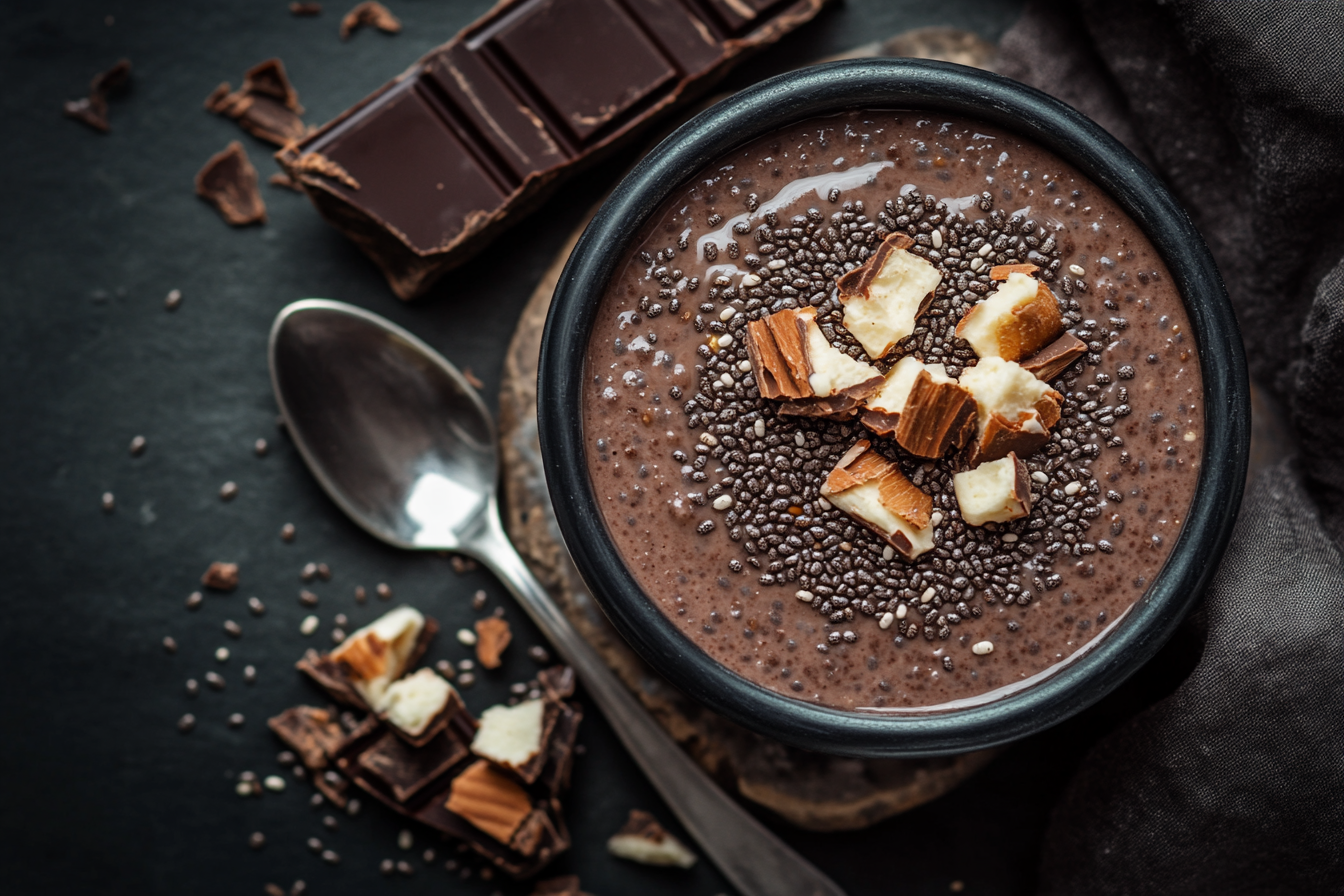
{"x": 725, "y": 340}
{"x": 927, "y": 595}
{"x": 243, "y": 788}
{"x": 799, "y": 439}
{"x": 937, "y": 239}
{"x": 723, "y": 502}
{"x": 308, "y": 625}
{"x": 726, "y": 379}
{"x": 935, "y": 518}
{"x": 405, "y": 840}
{"x": 750, "y": 280}
{"x": 727, "y": 313}
{"x": 222, "y": 655}
{"x": 977, "y": 263}
{"x": 274, "y": 783}
{"x": 803, "y": 595}
{"x": 1076, "y": 270}
{"x": 707, "y": 439}
{"x": 901, "y": 611}
{"x": 466, "y": 637}
{"x": 1073, "y": 488}
{"x": 825, "y": 505}
{"x": 986, "y": 249}
{"x": 982, "y": 648}
{"x": 759, "y": 427}
{"x": 776, "y": 263}
{"x": 885, "y": 622}
{"x": 1009, "y": 538}
{"x": 1040, "y": 477}
{"x": 744, "y": 366}
{"x": 888, "y": 552}
{"x": 1190, "y": 436}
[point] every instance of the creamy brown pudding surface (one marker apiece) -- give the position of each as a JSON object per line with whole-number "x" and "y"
{"x": 713, "y": 496}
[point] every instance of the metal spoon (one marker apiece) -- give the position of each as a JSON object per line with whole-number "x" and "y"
{"x": 400, "y": 440}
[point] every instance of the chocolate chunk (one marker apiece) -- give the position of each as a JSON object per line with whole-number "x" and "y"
{"x": 266, "y": 106}
{"x": 312, "y": 733}
{"x": 92, "y": 109}
{"x": 936, "y": 417}
{"x": 558, "y": 682}
{"x": 221, "y": 576}
{"x": 481, "y": 129}
{"x": 1055, "y": 358}
{"x": 229, "y": 183}
{"x": 492, "y": 636}
{"x": 644, "y": 840}
{"x": 370, "y": 13}
{"x": 333, "y": 675}
{"x": 405, "y": 771}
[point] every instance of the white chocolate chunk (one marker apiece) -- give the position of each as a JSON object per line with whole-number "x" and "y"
{"x": 885, "y": 311}
{"x": 891, "y": 398}
{"x": 411, "y": 703}
{"x": 510, "y": 735}
{"x": 376, "y": 654}
{"x": 1005, "y": 388}
{"x": 832, "y": 370}
{"x": 865, "y": 502}
{"x": 994, "y": 492}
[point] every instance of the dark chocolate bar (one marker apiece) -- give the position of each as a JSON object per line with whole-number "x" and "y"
{"x": 478, "y": 131}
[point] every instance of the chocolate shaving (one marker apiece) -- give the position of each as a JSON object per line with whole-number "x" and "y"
{"x": 92, "y": 109}
{"x": 369, "y": 13}
{"x": 282, "y": 179}
{"x": 856, "y": 282}
{"x": 305, "y": 9}
{"x": 316, "y": 163}
{"x": 492, "y": 636}
{"x": 1055, "y": 358}
{"x": 229, "y": 183}
{"x": 221, "y": 576}
{"x": 266, "y": 106}
{"x": 1004, "y": 271}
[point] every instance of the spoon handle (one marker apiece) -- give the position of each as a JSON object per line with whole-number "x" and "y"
{"x": 753, "y": 859}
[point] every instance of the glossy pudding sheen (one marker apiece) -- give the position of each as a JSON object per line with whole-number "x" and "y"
{"x": 712, "y": 496}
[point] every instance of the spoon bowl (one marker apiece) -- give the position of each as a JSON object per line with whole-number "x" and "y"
{"x": 395, "y": 434}
{"x": 403, "y": 444}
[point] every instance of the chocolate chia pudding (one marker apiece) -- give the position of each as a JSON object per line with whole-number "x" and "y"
{"x": 892, "y": 411}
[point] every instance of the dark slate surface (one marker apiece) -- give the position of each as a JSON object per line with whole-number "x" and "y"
{"x": 102, "y": 794}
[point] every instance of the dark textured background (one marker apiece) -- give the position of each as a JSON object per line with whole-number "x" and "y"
{"x": 101, "y": 794}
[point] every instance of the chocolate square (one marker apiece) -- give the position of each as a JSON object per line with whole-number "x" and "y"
{"x": 310, "y": 732}
{"x": 405, "y": 770}
{"x": 587, "y": 59}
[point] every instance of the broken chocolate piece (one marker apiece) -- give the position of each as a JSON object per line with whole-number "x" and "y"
{"x": 1055, "y": 358}
{"x": 995, "y": 492}
{"x": 490, "y": 800}
{"x": 492, "y": 636}
{"x": 481, "y": 129}
{"x": 1015, "y": 321}
{"x": 882, "y": 410}
{"x": 939, "y": 414}
{"x": 874, "y": 492}
{"x": 221, "y": 576}
{"x": 885, "y": 295}
{"x": 369, "y": 13}
{"x": 1015, "y": 410}
{"x": 558, "y": 682}
{"x": 1003, "y": 271}
{"x": 282, "y": 179}
{"x": 339, "y": 678}
{"x": 644, "y": 840}
{"x": 559, "y": 762}
{"x": 405, "y": 770}
{"x": 312, "y": 733}
{"x": 229, "y": 183}
{"x": 266, "y": 106}
{"x": 420, "y": 705}
{"x": 380, "y": 652}
{"x": 514, "y": 737}
{"x": 92, "y": 109}
{"x": 792, "y": 359}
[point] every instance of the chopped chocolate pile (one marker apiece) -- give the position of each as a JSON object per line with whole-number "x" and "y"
{"x": 266, "y": 106}
{"x": 92, "y": 109}
{"x": 915, "y": 272}
{"x": 493, "y": 783}
{"x": 229, "y": 183}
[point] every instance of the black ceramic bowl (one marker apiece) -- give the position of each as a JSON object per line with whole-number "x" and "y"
{"x": 883, "y": 84}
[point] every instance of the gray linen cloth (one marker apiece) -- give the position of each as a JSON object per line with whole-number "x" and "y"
{"x": 1235, "y": 782}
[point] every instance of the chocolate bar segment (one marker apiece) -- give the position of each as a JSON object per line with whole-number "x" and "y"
{"x": 479, "y": 130}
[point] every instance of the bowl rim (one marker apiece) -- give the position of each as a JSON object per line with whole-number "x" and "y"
{"x": 897, "y": 85}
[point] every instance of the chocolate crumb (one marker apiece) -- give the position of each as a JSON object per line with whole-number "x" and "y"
{"x": 229, "y": 183}
{"x": 274, "y": 890}
{"x": 462, "y": 564}
{"x": 369, "y": 13}
{"x": 221, "y": 576}
{"x": 266, "y": 106}
{"x": 472, "y": 378}
{"x": 492, "y": 637}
